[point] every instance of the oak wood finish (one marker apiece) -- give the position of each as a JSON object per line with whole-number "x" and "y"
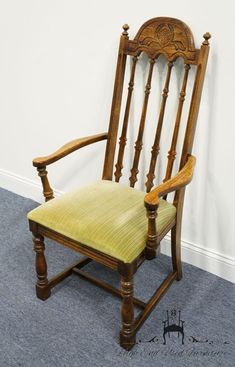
{"x": 116, "y": 106}
{"x": 196, "y": 98}
{"x": 172, "y": 151}
{"x": 127, "y": 335}
{"x": 156, "y": 145}
{"x": 123, "y": 139}
{"x": 176, "y": 234}
{"x": 67, "y": 272}
{"x": 139, "y": 141}
{"x": 68, "y": 148}
{"x": 181, "y": 179}
{"x": 47, "y": 190}
{"x": 158, "y": 36}
{"x": 43, "y": 291}
{"x": 164, "y": 36}
{"x": 107, "y": 287}
{"x": 154, "y": 300}
{"x": 152, "y": 237}
{"x": 76, "y": 246}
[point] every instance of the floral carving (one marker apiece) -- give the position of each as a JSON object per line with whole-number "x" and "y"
{"x": 165, "y": 35}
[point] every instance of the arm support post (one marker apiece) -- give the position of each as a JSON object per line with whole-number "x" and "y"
{"x": 47, "y": 190}
{"x": 180, "y": 180}
{"x": 151, "y": 244}
{"x": 66, "y": 149}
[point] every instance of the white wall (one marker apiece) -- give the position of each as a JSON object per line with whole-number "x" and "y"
{"x": 56, "y": 75}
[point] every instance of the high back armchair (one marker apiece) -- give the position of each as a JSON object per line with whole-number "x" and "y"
{"x": 117, "y": 225}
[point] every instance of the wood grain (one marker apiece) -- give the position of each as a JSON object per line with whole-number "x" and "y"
{"x": 123, "y": 139}
{"x": 116, "y": 107}
{"x": 139, "y": 141}
{"x": 67, "y": 149}
{"x": 158, "y": 36}
{"x": 156, "y": 144}
{"x": 181, "y": 179}
{"x": 172, "y": 151}
{"x": 164, "y": 36}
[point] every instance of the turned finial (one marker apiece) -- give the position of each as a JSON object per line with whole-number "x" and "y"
{"x": 206, "y": 37}
{"x": 125, "y": 28}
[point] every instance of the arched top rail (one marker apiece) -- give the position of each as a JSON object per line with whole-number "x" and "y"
{"x": 168, "y": 36}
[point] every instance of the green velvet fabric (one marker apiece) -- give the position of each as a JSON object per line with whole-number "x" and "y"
{"x": 106, "y": 216}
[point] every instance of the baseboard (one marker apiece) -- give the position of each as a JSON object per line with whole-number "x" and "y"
{"x": 209, "y": 260}
{"x": 23, "y": 186}
{"x": 206, "y": 259}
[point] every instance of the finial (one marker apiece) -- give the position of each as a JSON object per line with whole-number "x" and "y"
{"x": 206, "y": 36}
{"x": 125, "y": 28}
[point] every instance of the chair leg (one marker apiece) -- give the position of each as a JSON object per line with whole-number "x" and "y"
{"x": 176, "y": 249}
{"x": 43, "y": 290}
{"x": 127, "y": 335}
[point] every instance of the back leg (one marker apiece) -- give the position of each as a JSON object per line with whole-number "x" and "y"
{"x": 176, "y": 249}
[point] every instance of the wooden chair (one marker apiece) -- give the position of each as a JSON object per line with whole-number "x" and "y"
{"x": 107, "y": 221}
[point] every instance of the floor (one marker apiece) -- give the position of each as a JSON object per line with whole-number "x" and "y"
{"x": 79, "y": 324}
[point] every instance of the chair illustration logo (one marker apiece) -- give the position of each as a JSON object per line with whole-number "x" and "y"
{"x": 176, "y": 340}
{"x": 173, "y": 324}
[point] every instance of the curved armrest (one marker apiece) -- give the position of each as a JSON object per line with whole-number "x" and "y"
{"x": 181, "y": 179}
{"x": 67, "y": 149}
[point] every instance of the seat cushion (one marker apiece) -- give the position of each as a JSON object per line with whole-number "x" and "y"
{"x": 106, "y": 216}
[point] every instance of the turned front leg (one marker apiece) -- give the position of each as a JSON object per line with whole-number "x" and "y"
{"x": 127, "y": 335}
{"x": 43, "y": 291}
{"x": 47, "y": 190}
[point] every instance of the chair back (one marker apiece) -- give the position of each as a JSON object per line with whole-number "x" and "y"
{"x": 161, "y": 41}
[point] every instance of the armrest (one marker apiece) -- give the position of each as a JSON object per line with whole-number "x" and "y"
{"x": 67, "y": 149}
{"x": 181, "y": 179}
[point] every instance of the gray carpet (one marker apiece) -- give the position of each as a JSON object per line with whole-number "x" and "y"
{"x": 79, "y": 324}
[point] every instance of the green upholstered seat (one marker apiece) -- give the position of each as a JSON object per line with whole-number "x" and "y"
{"x": 106, "y": 216}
